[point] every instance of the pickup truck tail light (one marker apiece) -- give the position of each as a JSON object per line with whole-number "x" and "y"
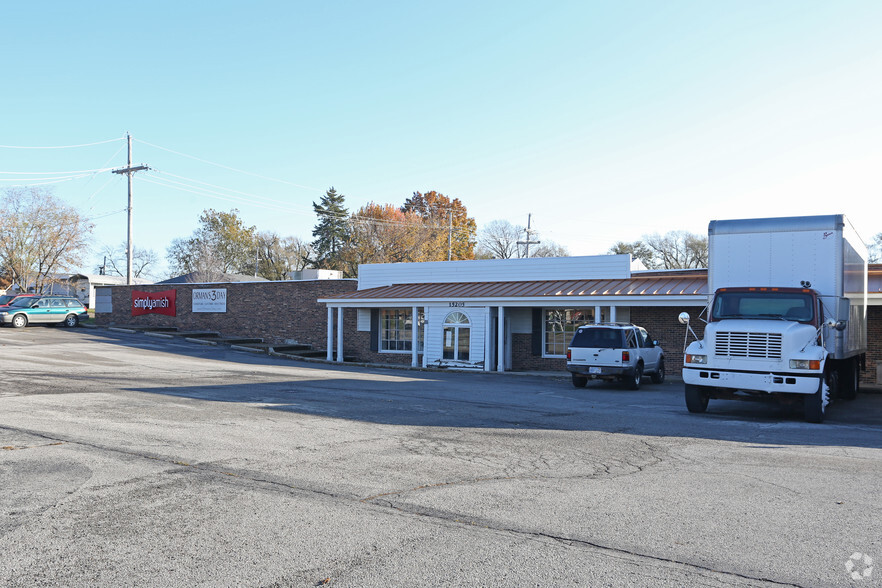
{"x": 569, "y": 354}
{"x": 626, "y": 356}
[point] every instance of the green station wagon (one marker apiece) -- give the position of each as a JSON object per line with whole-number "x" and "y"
{"x": 65, "y": 310}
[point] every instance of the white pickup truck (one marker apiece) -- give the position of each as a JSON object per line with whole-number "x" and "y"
{"x": 614, "y": 351}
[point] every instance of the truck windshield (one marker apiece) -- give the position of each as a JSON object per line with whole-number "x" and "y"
{"x": 791, "y": 306}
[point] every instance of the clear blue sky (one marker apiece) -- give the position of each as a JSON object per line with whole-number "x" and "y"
{"x": 606, "y": 120}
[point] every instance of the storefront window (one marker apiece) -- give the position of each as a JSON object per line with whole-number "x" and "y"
{"x": 560, "y": 325}
{"x": 396, "y": 328}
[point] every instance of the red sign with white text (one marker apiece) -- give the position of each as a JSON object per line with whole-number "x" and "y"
{"x": 154, "y": 302}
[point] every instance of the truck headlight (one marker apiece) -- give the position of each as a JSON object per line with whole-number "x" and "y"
{"x": 696, "y": 358}
{"x": 805, "y": 364}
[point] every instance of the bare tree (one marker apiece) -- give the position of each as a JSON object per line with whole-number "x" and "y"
{"x": 673, "y": 250}
{"x": 499, "y": 240}
{"x": 636, "y": 250}
{"x": 143, "y": 260}
{"x": 875, "y": 249}
{"x": 549, "y": 248}
{"x": 40, "y": 236}
{"x": 678, "y": 250}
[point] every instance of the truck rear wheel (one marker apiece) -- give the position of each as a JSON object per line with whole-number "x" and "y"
{"x": 579, "y": 381}
{"x": 849, "y": 379}
{"x": 696, "y": 398}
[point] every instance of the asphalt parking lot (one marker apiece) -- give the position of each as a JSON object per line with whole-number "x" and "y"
{"x": 132, "y": 460}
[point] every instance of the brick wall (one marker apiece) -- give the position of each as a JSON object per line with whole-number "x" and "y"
{"x": 274, "y": 311}
{"x": 874, "y": 344}
{"x": 660, "y": 321}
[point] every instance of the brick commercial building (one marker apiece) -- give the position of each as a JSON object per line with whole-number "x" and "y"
{"x": 274, "y": 311}
{"x": 490, "y": 315}
{"x": 520, "y": 314}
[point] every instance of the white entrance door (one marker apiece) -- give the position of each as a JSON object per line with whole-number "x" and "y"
{"x": 457, "y": 337}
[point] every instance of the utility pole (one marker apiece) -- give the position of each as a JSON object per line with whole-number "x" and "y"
{"x": 529, "y": 232}
{"x": 129, "y": 170}
{"x": 450, "y": 235}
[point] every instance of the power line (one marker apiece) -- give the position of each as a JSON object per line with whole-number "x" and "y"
{"x": 241, "y": 171}
{"x": 80, "y": 171}
{"x": 60, "y": 146}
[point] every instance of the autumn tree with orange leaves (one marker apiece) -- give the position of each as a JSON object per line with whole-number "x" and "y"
{"x": 455, "y": 233}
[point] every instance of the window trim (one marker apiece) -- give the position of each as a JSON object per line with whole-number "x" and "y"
{"x": 544, "y": 329}
{"x": 421, "y": 320}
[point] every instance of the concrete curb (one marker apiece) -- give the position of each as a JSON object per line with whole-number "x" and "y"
{"x": 157, "y": 335}
{"x": 200, "y": 341}
{"x": 121, "y": 330}
{"x": 247, "y": 349}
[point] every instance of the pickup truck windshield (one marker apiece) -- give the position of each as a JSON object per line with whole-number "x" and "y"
{"x": 791, "y": 306}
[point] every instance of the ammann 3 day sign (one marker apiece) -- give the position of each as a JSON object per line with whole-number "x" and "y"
{"x": 214, "y": 300}
{"x": 154, "y": 302}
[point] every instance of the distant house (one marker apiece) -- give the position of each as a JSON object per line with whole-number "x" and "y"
{"x": 211, "y": 278}
{"x": 83, "y": 285}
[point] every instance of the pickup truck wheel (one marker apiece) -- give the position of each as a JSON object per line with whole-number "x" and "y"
{"x": 579, "y": 381}
{"x": 696, "y": 398}
{"x": 633, "y": 382}
{"x": 19, "y": 321}
{"x": 849, "y": 379}
{"x": 659, "y": 376}
{"x": 816, "y": 405}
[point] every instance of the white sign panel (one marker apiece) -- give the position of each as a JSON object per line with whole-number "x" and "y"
{"x": 213, "y": 300}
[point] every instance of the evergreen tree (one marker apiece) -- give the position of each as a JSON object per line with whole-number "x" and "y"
{"x": 331, "y": 230}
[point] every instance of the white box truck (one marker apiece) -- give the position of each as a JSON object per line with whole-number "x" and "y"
{"x": 786, "y": 315}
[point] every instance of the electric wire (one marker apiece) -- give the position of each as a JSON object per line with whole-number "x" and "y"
{"x": 62, "y": 146}
{"x": 59, "y": 173}
{"x": 241, "y": 171}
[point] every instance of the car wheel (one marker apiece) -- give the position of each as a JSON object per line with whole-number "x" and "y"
{"x": 696, "y": 398}
{"x": 659, "y": 376}
{"x": 19, "y": 321}
{"x": 579, "y": 381}
{"x": 71, "y": 320}
{"x": 634, "y": 381}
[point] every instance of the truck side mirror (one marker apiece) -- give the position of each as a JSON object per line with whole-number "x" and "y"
{"x": 683, "y": 318}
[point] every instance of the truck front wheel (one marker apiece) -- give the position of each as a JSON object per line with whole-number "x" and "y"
{"x": 816, "y": 405}
{"x": 696, "y": 398}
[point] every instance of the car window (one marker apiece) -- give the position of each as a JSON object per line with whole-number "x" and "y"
{"x": 74, "y": 303}
{"x": 58, "y": 303}
{"x": 631, "y": 338}
{"x": 645, "y": 341}
{"x": 42, "y": 303}
{"x": 597, "y": 338}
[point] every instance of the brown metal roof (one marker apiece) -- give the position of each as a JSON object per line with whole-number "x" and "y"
{"x": 681, "y": 283}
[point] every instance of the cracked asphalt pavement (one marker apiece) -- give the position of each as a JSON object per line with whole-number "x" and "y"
{"x": 132, "y": 460}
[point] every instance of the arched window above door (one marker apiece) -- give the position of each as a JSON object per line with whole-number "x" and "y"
{"x": 456, "y": 318}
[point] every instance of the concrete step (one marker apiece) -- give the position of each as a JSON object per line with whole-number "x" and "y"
{"x": 239, "y": 340}
{"x": 147, "y": 328}
{"x": 197, "y": 334}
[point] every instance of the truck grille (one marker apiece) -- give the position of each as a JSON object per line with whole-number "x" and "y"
{"x": 753, "y": 345}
